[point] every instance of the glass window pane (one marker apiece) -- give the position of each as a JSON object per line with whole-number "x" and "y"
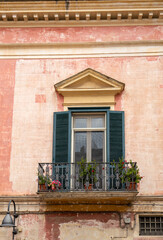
{"x": 80, "y": 122}
{"x": 80, "y": 145}
{"x": 97, "y": 122}
{"x": 97, "y": 143}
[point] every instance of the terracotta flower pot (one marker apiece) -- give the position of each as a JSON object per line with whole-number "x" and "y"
{"x": 132, "y": 186}
{"x": 89, "y": 187}
{"x": 42, "y": 187}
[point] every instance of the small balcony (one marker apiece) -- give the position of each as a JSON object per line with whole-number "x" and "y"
{"x": 86, "y": 177}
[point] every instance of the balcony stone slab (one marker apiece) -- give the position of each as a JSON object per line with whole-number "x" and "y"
{"x": 88, "y": 201}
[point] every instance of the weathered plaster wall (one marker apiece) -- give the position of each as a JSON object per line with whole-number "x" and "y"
{"x": 76, "y": 226}
{"x": 80, "y": 34}
{"x": 7, "y": 83}
{"x": 82, "y": 226}
{"x": 30, "y": 115}
{"x": 72, "y": 226}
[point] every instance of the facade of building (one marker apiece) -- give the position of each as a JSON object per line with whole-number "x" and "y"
{"x": 81, "y": 80}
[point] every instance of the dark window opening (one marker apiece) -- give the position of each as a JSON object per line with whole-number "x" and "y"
{"x": 151, "y": 225}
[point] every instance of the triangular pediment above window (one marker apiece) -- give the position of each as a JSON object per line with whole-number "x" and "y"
{"x": 89, "y": 79}
{"x": 89, "y": 87}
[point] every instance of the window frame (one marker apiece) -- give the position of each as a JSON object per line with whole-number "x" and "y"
{"x": 87, "y": 129}
{"x": 88, "y": 110}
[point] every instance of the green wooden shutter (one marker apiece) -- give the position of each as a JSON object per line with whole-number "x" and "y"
{"x": 61, "y": 137}
{"x": 116, "y": 135}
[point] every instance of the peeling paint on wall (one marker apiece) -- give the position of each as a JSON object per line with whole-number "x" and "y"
{"x": 7, "y": 83}
{"x": 80, "y": 34}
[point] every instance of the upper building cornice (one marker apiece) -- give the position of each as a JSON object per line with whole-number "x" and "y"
{"x": 80, "y": 13}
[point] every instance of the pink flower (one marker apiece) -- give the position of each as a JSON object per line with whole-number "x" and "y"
{"x": 55, "y": 183}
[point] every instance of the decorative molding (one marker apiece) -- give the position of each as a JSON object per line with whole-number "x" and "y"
{"x": 89, "y": 80}
{"x": 81, "y": 13}
{"x": 81, "y": 50}
{"x": 103, "y": 104}
{"x": 89, "y": 88}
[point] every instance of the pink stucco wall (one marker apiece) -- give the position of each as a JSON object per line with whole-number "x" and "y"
{"x": 30, "y": 83}
{"x": 80, "y": 34}
{"x": 7, "y": 83}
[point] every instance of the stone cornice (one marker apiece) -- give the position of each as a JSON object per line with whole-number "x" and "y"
{"x": 81, "y": 13}
{"x": 81, "y": 50}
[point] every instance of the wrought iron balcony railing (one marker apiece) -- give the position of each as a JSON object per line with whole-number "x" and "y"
{"x": 90, "y": 176}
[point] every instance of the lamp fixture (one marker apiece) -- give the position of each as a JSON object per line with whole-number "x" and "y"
{"x": 8, "y": 221}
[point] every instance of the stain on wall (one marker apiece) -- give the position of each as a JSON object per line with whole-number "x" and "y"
{"x": 65, "y": 226}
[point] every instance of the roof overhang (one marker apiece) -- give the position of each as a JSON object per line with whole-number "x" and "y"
{"x": 80, "y": 13}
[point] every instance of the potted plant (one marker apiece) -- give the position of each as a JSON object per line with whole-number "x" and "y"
{"x": 131, "y": 175}
{"x": 43, "y": 182}
{"x": 55, "y": 184}
{"x": 87, "y": 173}
{"x": 128, "y": 173}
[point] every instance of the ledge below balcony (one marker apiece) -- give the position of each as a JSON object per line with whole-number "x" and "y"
{"x": 88, "y": 201}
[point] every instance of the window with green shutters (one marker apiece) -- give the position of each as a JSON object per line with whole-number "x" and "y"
{"x": 111, "y": 134}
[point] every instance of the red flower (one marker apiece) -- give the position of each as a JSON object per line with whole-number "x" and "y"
{"x": 92, "y": 170}
{"x": 122, "y": 162}
{"x": 103, "y": 168}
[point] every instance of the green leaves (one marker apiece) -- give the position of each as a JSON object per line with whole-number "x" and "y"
{"x": 128, "y": 171}
{"x": 43, "y": 179}
{"x": 87, "y": 171}
{"x": 131, "y": 173}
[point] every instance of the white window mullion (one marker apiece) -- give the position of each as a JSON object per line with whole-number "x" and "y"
{"x": 89, "y": 147}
